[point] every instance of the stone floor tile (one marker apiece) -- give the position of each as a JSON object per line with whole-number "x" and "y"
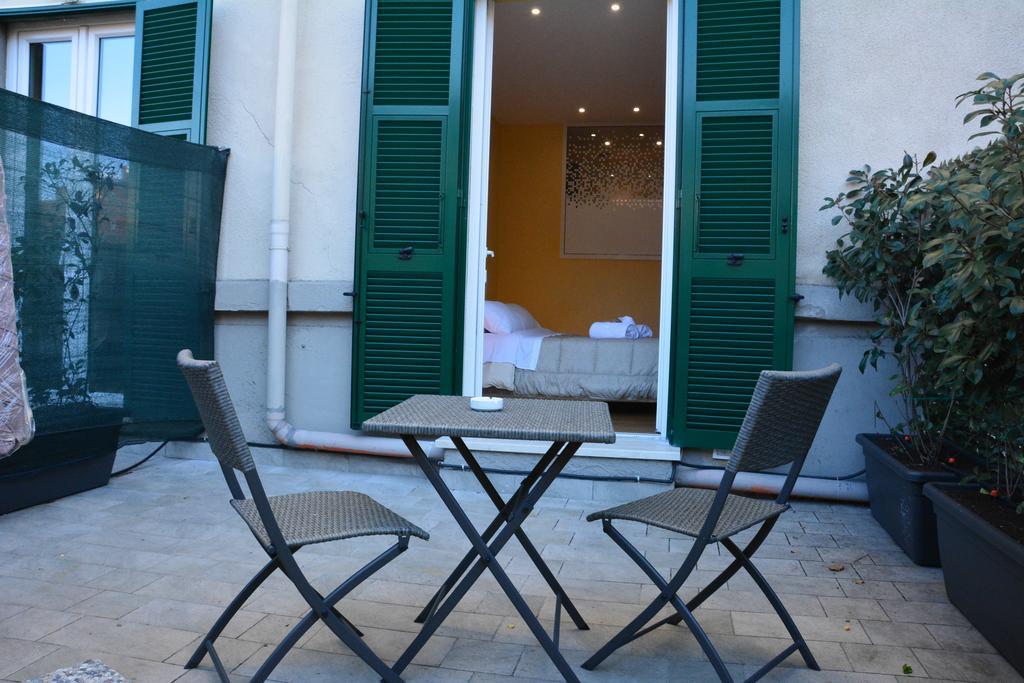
{"x": 124, "y": 580}
{"x": 853, "y": 608}
{"x": 967, "y": 666}
{"x": 894, "y": 633}
{"x": 232, "y": 653}
{"x": 34, "y": 623}
{"x": 859, "y": 588}
{"x": 812, "y": 628}
{"x": 189, "y": 616}
{"x": 389, "y": 645}
{"x": 196, "y": 590}
{"x": 303, "y": 666}
{"x": 883, "y": 659}
{"x": 134, "y": 669}
{"x": 923, "y": 612}
{"x": 474, "y": 655}
{"x": 960, "y": 638}
{"x": 109, "y": 604}
{"x": 272, "y": 629}
{"x": 923, "y": 591}
{"x": 33, "y": 593}
{"x": 16, "y": 654}
{"x": 136, "y": 640}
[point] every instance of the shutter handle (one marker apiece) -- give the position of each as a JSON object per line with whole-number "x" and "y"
{"x": 796, "y": 298}
{"x": 405, "y": 253}
{"x": 734, "y": 259}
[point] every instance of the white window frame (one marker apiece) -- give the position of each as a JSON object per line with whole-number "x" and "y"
{"x": 654, "y": 446}
{"x": 84, "y": 35}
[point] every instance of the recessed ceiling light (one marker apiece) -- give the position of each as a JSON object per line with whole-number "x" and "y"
{"x": 616, "y": 7}
{"x": 641, "y": 134}
{"x": 582, "y": 110}
{"x": 636, "y": 109}
{"x": 607, "y": 143}
{"x": 658, "y": 143}
{"x": 593, "y": 135}
{"x": 535, "y": 11}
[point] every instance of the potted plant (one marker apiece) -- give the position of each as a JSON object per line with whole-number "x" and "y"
{"x": 881, "y": 261}
{"x": 54, "y": 279}
{"x": 981, "y": 524}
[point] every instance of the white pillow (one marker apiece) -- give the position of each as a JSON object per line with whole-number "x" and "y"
{"x": 503, "y": 318}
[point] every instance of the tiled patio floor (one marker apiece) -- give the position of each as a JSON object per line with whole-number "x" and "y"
{"x": 132, "y": 573}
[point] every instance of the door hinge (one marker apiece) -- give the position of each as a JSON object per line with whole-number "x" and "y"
{"x": 796, "y": 298}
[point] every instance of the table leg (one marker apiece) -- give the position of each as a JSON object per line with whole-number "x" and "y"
{"x": 524, "y": 540}
{"x": 502, "y": 517}
{"x": 486, "y": 554}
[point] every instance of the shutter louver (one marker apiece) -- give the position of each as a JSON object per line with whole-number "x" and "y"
{"x": 732, "y": 338}
{"x": 413, "y": 52}
{"x": 404, "y": 324}
{"x": 738, "y": 48}
{"x": 735, "y": 246}
{"x": 734, "y": 213}
{"x": 408, "y": 183}
{"x": 171, "y": 67}
{"x": 407, "y": 303}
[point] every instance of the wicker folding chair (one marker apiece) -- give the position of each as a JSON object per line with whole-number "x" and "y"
{"x": 284, "y": 524}
{"x": 780, "y": 424}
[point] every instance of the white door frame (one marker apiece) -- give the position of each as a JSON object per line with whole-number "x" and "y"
{"x": 479, "y": 174}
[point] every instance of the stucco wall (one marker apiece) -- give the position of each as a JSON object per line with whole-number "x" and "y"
{"x": 877, "y": 77}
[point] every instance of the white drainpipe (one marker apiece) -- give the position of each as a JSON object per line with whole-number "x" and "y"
{"x": 277, "y": 305}
{"x": 758, "y": 482}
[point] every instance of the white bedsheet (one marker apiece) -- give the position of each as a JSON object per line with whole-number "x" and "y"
{"x": 521, "y": 349}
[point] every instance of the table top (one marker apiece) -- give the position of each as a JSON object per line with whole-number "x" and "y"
{"x": 527, "y": 419}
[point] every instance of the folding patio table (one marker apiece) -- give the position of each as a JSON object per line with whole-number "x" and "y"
{"x": 566, "y": 424}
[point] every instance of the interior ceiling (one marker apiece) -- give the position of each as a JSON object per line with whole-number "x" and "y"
{"x": 579, "y": 53}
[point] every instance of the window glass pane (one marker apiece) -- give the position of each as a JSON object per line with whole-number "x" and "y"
{"x": 114, "y": 88}
{"x": 50, "y": 72}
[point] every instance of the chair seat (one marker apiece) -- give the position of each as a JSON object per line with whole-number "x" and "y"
{"x": 684, "y": 510}
{"x": 322, "y": 516}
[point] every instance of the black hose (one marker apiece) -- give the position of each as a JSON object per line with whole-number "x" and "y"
{"x": 131, "y": 467}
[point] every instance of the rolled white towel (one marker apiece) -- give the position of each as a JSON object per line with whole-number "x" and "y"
{"x": 610, "y": 330}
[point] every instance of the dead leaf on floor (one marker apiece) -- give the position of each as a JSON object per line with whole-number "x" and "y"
{"x": 846, "y": 626}
{"x": 859, "y": 582}
{"x": 836, "y": 567}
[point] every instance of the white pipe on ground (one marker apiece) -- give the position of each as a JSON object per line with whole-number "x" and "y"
{"x": 277, "y": 300}
{"x": 759, "y": 482}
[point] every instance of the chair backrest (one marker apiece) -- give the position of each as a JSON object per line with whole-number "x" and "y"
{"x": 227, "y": 441}
{"x": 783, "y": 418}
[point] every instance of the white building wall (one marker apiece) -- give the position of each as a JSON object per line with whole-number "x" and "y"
{"x": 877, "y": 77}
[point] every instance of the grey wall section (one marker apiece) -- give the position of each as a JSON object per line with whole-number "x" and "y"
{"x": 875, "y": 80}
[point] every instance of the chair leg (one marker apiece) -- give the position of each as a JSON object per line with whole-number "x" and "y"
{"x": 775, "y": 601}
{"x": 323, "y": 608}
{"x": 230, "y": 612}
{"x": 669, "y": 590}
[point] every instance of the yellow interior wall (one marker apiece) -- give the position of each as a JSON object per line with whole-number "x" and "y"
{"x": 524, "y": 231}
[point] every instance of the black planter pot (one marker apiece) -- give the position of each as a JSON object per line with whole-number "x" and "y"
{"x": 984, "y": 573}
{"x": 898, "y": 502}
{"x": 63, "y": 462}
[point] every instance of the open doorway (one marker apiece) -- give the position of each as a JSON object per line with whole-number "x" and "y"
{"x": 575, "y": 218}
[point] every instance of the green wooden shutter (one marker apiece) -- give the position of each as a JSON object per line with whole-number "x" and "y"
{"x": 736, "y": 230}
{"x": 172, "y": 55}
{"x": 406, "y": 325}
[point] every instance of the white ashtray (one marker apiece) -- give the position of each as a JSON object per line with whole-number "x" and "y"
{"x": 486, "y": 403}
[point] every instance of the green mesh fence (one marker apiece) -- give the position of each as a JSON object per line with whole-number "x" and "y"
{"x": 114, "y": 236}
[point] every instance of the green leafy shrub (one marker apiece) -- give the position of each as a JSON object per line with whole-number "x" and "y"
{"x": 939, "y": 251}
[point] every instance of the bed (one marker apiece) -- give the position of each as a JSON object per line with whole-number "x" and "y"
{"x": 581, "y": 367}
{"x": 521, "y": 358}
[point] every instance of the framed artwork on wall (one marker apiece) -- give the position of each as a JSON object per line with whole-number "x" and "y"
{"x": 613, "y": 192}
